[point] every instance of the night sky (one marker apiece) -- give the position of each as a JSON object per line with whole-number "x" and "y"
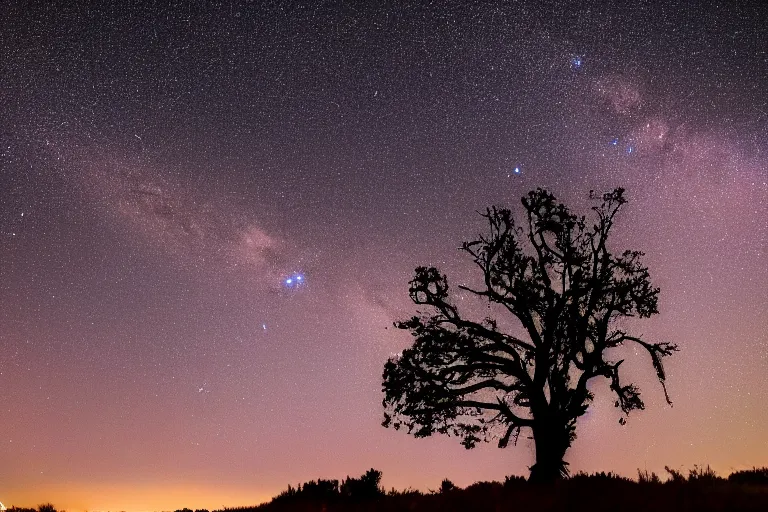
{"x": 209, "y": 216}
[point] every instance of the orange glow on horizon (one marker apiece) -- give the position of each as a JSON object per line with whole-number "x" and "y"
{"x": 134, "y": 498}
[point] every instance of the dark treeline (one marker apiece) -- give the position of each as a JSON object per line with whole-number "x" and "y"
{"x": 700, "y": 490}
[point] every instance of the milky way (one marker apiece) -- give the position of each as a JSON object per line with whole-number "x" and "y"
{"x": 168, "y": 174}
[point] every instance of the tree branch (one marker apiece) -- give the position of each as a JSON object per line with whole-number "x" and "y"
{"x": 657, "y": 351}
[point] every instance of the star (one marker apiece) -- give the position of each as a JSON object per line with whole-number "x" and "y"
{"x": 577, "y": 61}
{"x": 295, "y": 280}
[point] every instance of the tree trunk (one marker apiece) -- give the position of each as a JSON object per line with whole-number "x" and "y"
{"x": 552, "y": 440}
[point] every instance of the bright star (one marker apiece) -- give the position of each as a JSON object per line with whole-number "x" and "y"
{"x": 576, "y": 62}
{"x": 294, "y": 281}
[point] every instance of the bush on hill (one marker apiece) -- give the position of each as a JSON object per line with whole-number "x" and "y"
{"x": 756, "y": 476}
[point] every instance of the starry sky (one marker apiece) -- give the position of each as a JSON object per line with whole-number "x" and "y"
{"x": 209, "y": 214}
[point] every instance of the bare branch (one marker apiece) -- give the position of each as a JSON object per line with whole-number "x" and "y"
{"x": 657, "y": 351}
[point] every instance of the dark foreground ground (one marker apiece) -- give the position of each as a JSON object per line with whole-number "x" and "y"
{"x": 700, "y": 490}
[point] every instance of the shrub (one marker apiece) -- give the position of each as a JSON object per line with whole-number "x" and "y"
{"x": 447, "y": 486}
{"x": 367, "y": 487}
{"x": 484, "y": 487}
{"x": 408, "y": 492}
{"x": 758, "y": 476}
{"x": 644, "y": 477}
{"x": 514, "y": 480}
{"x": 321, "y": 490}
{"x": 315, "y": 490}
{"x": 289, "y": 494}
{"x": 675, "y": 476}
{"x": 602, "y": 476}
{"x": 703, "y": 475}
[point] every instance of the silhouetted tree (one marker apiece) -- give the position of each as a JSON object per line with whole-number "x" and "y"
{"x": 320, "y": 490}
{"x": 367, "y": 487}
{"x": 447, "y": 486}
{"x": 317, "y": 491}
{"x": 558, "y": 278}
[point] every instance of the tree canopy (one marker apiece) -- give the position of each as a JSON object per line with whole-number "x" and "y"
{"x": 557, "y": 278}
